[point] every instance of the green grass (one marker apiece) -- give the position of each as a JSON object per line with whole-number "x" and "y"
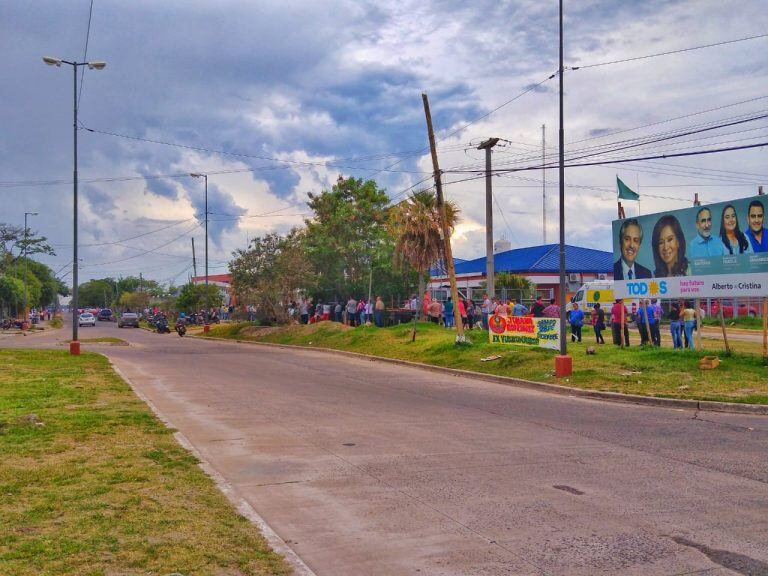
{"x": 741, "y": 377}
{"x": 744, "y": 322}
{"x": 55, "y": 323}
{"x": 103, "y": 340}
{"x": 91, "y": 483}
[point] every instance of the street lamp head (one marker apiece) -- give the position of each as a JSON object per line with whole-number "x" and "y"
{"x": 52, "y": 61}
{"x": 96, "y": 65}
{"x": 31, "y": 213}
{"x": 197, "y": 175}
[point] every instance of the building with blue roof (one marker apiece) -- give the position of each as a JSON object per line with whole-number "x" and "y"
{"x": 539, "y": 264}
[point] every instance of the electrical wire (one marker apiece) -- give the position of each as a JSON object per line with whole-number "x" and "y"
{"x": 85, "y": 57}
{"x": 692, "y": 48}
{"x": 198, "y": 225}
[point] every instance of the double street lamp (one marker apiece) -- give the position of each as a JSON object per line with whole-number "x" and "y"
{"x": 74, "y": 345}
{"x": 26, "y": 239}
{"x": 206, "y": 326}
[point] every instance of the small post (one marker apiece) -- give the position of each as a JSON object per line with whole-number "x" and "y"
{"x": 765, "y": 328}
{"x": 697, "y": 304}
{"x": 725, "y": 334}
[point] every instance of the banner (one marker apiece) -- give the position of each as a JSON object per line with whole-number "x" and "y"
{"x": 717, "y": 250}
{"x": 525, "y": 330}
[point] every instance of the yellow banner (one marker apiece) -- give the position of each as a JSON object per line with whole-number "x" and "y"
{"x": 524, "y": 330}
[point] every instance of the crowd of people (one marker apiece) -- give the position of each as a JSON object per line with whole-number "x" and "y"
{"x": 474, "y": 315}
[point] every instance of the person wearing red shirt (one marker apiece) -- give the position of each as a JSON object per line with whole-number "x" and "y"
{"x": 616, "y": 312}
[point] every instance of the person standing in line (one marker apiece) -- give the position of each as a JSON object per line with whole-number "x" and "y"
{"x": 470, "y": 304}
{"x": 360, "y": 312}
{"x": 518, "y": 308}
{"x": 598, "y": 322}
{"x": 304, "y": 311}
{"x": 576, "y": 319}
{"x": 486, "y": 310}
{"x": 337, "y": 312}
{"x": 378, "y": 312}
{"x": 675, "y": 327}
{"x": 689, "y": 322}
{"x": 552, "y": 310}
{"x": 368, "y": 312}
{"x": 448, "y": 313}
{"x": 657, "y": 312}
{"x": 538, "y": 308}
{"x": 616, "y": 312}
{"x": 642, "y": 311}
{"x": 434, "y": 311}
{"x": 463, "y": 311}
{"x": 351, "y": 311}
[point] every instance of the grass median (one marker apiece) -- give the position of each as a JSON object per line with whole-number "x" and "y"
{"x": 91, "y": 483}
{"x": 663, "y": 372}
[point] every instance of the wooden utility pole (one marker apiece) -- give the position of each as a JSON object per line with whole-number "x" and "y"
{"x": 444, "y": 224}
{"x": 194, "y": 261}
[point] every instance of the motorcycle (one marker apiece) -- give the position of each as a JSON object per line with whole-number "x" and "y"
{"x": 161, "y": 325}
{"x": 181, "y": 328}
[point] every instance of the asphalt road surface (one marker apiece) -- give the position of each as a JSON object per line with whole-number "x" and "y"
{"x": 366, "y": 468}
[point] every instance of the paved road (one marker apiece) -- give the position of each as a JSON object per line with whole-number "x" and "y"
{"x": 366, "y": 468}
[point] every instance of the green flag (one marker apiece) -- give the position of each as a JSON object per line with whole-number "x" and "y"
{"x": 625, "y": 192}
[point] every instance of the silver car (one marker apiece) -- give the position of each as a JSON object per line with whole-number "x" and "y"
{"x": 128, "y": 319}
{"x": 86, "y": 319}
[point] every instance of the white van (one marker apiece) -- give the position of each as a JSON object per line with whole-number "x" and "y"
{"x": 592, "y": 292}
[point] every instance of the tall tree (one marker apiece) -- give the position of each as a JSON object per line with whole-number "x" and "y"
{"x": 271, "y": 272}
{"x": 346, "y": 236}
{"x": 415, "y": 223}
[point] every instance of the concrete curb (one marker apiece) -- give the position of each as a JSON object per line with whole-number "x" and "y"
{"x": 706, "y": 405}
{"x": 277, "y": 544}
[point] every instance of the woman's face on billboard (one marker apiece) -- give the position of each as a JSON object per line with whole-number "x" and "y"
{"x": 668, "y": 246}
{"x": 729, "y": 219}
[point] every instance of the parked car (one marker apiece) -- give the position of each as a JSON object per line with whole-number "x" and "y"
{"x": 105, "y": 314}
{"x": 744, "y": 309}
{"x": 128, "y": 319}
{"x": 86, "y": 319}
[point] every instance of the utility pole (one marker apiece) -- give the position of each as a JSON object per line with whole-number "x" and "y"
{"x": 563, "y": 362}
{"x": 544, "y": 181}
{"x": 490, "y": 274}
{"x": 26, "y": 240}
{"x": 444, "y": 222}
{"x": 207, "y": 325}
{"x": 194, "y": 261}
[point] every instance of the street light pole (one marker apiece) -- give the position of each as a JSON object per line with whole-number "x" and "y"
{"x": 206, "y": 326}
{"x": 26, "y": 238}
{"x": 74, "y": 345}
{"x": 563, "y": 362}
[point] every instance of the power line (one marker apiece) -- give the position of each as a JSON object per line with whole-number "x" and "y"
{"x": 85, "y": 56}
{"x": 150, "y": 251}
{"x": 238, "y": 154}
{"x": 668, "y": 52}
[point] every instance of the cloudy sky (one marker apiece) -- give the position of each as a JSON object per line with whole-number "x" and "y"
{"x": 275, "y": 99}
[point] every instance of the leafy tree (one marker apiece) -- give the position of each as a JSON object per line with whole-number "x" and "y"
{"x": 520, "y": 285}
{"x": 134, "y": 300}
{"x": 13, "y": 238}
{"x": 97, "y": 293}
{"x": 270, "y": 272}
{"x": 416, "y": 227}
{"x": 192, "y": 297}
{"x": 348, "y": 226}
{"x": 11, "y": 294}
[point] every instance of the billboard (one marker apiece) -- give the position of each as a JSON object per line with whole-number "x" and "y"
{"x": 526, "y": 330}
{"x": 715, "y": 250}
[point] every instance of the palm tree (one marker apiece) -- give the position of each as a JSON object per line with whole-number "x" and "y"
{"x": 415, "y": 224}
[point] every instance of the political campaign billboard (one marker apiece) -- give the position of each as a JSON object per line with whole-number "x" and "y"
{"x": 715, "y": 250}
{"x": 525, "y": 330}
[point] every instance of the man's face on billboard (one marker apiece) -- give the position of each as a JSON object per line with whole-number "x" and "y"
{"x": 704, "y": 223}
{"x": 631, "y": 239}
{"x": 756, "y": 218}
